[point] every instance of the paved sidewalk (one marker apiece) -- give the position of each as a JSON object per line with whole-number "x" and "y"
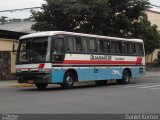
{"x": 152, "y": 74}
{"x": 14, "y": 83}
{"x": 7, "y": 83}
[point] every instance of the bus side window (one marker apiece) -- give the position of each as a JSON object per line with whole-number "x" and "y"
{"x": 139, "y": 48}
{"x": 71, "y": 44}
{"x": 104, "y": 46}
{"x": 128, "y": 48}
{"x": 116, "y": 47}
{"x": 107, "y": 46}
{"x": 113, "y": 46}
{"x": 125, "y": 48}
{"x": 85, "y": 44}
{"x": 101, "y": 46}
{"x": 74, "y": 44}
{"x": 92, "y": 45}
{"x": 78, "y": 44}
{"x": 119, "y": 47}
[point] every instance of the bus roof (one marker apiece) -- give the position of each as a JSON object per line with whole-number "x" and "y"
{"x": 52, "y": 33}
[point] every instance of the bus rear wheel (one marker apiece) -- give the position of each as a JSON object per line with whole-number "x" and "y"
{"x": 125, "y": 78}
{"x": 41, "y": 86}
{"x": 68, "y": 80}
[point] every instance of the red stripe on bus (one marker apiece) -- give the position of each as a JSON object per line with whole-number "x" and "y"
{"x": 40, "y": 66}
{"x": 139, "y": 60}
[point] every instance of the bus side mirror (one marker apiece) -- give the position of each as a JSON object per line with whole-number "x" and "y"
{"x": 14, "y": 51}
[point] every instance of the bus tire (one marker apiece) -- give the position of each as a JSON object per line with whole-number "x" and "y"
{"x": 101, "y": 82}
{"x": 68, "y": 80}
{"x": 119, "y": 81}
{"x": 41, "y": 86}
{"x": 126, "y": 77}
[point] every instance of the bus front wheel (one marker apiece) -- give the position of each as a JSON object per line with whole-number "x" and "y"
{"x": 68, "y": 80}
{"x": 41, "y": 86}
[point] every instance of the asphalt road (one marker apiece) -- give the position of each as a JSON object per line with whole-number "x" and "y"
{"x": 141, "y": 96}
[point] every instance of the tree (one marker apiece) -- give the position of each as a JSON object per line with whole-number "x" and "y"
{"x": 3, "y": 20}
{"x": 144, "y": 30}
{"x": 122, "y": 18}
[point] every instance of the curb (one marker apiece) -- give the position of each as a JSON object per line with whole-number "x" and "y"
{"x": 22, "y": 85}
{"x": 151, "y": 76}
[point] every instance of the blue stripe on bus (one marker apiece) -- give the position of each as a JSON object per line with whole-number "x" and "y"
{"x": 57, "y": 75}
{"x": 92, "y": 74}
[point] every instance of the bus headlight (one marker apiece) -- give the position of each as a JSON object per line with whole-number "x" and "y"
{"x": 47, "y": 70}
{"x": 18, "y": 70}
{"x": 44, "y": 70}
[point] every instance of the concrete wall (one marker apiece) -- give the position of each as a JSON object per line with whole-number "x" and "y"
{"x": 7, "y": 45}
{"x": 151, "y": 57}
{"x": 154, "y": 18}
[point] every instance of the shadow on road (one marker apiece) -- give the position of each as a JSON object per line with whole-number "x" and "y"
{"x": 78, "y": 86}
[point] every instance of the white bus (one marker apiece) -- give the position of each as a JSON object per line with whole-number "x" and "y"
{"x": 59, "y": 57}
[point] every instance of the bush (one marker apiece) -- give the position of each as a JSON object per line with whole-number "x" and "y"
{"x": 156, "y": 63}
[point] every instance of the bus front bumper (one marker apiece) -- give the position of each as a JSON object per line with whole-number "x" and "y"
{"x": 33, "y": 78}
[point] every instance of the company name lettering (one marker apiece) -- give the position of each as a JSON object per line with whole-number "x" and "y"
{"x": 97, "y": 57}
{"x": 120, "y": 59}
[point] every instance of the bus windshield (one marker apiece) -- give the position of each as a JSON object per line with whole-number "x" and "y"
{"x": 34, "y": 50}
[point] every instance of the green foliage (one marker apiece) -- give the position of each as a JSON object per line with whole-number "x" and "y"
{"x": 122, "y": 18}
{"x": 156, "y": 62}
{"x": 3, "y": 20}
{"x": 144, "y": 30}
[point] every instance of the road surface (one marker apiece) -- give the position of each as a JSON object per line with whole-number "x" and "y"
{"x": 141, "y": 96}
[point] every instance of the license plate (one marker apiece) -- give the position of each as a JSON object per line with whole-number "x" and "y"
{"x": 30, "y": 81}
